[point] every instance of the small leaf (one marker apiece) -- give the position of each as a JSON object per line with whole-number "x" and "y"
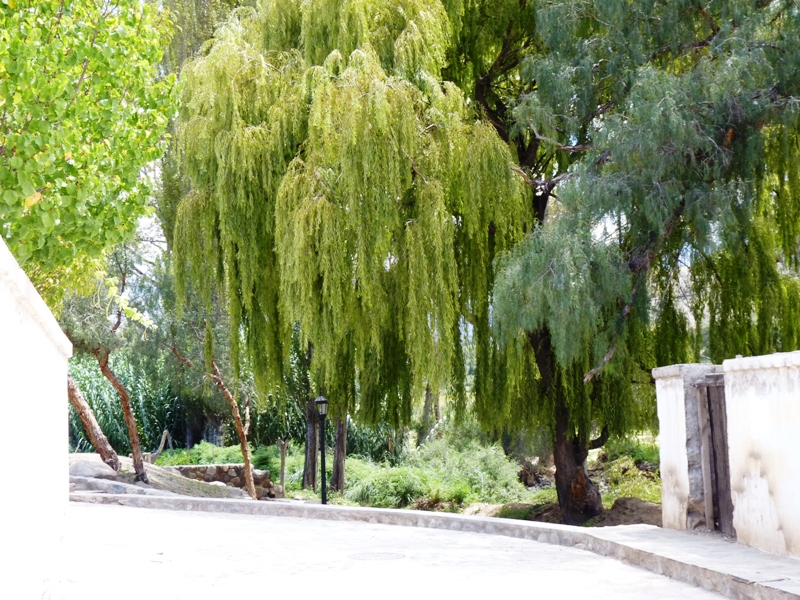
{"x": 34, "y": 198}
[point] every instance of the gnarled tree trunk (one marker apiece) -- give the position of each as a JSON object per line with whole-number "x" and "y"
{"x": 101, "y": 355}
{"x": 91, "y": 426}
{"x": 339, "y": 454}
{"x": 578, "y": 496}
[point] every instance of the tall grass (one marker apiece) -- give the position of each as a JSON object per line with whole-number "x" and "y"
{"x": 155, "y": 409}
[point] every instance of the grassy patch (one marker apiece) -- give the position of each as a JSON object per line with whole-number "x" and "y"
{"x": 203, "y": 453}
{"x": 623, "y": 479}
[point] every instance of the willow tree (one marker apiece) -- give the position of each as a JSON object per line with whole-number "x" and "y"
{"x": 341, "y": 186}
{"x": 676, "y": 233}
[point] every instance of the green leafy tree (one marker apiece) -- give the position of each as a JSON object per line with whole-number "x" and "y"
{"x": 357, "y": 167}
{"x": 340, "y": 184}
{"x": 95, "y": 326}
{"x": 82, "y": 110}
{"x": 674, "y": 127}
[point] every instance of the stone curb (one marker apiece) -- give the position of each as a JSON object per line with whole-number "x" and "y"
{"x": 727, "y": 584}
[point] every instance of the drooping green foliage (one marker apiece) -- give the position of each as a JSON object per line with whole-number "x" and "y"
{"x": 342, "y": 185}
{"x": 82, "y": 110}
{"x": 675, "y": 234}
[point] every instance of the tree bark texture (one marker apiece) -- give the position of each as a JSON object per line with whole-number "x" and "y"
{"x": 312, "y": 427}
{"x": 339, "y": 454}
{"x": 578, "y": 496}
{"x": 91, "y": 426}
{"x": 133, "y": 430}
{"x": 283, "y": 444}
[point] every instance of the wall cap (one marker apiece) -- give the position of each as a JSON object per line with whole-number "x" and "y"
{"x": 685, "y": 371}
{"x": 16, "y": 281}
{"x": 778, "y": 360}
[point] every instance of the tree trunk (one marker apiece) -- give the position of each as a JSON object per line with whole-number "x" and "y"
{"x": 427, "y": 417}
{"x": 578, "y": 496}
{"x": 312, "y": 426}
{"x": 241, "y": 430}
{"x": 133, "y": 430}
{"x": 339, "y": 453}
{"x": 91, "y": 426}
{"x": 283, "y": 444}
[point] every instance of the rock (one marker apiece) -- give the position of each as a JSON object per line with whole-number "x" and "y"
{"x": 113, "y": 487}
{"x": 236, "y": 481}
{"x": 218, "y": 483}
{"x": 98, "y": 470}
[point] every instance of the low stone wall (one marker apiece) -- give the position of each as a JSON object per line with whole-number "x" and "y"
{"x": 230, "y": 475}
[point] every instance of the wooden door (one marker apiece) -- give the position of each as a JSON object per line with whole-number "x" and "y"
{"x": 714, "y": 458}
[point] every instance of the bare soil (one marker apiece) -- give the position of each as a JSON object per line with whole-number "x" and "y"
{"x": 624, "y": 511}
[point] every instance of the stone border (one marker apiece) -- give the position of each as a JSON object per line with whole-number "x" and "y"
{"x": 231, "y": 474}
{"x": 597, "y": 541}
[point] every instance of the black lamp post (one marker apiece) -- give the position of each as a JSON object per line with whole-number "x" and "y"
{"x": 322, "y": 407}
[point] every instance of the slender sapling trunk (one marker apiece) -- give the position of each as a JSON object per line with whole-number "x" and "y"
{"x": 91, "y": 426}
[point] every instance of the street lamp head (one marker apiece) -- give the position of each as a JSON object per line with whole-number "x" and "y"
{"x": 322, "y": 405}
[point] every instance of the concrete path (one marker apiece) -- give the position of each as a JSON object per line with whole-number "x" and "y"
{"x": 705, "y": 561}
{"x": 133, "y": 553}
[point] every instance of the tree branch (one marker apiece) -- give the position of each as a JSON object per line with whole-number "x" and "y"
{"x": 601, "y": 440}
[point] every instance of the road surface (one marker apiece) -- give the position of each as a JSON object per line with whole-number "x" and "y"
{"x": 133, "y": 553}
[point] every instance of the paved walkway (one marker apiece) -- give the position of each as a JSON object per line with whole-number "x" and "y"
{"x": 705, "y": 561}
{"x": 133, "y": 553}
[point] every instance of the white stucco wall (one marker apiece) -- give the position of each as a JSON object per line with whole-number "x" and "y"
{"x": 682, "y": 504}
{"x": 763, "y": 405}
{"x": 33, "y": 393}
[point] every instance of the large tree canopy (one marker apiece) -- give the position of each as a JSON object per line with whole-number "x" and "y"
{"x": 357, "y": 166}
{"x": 82, "y": 110}
{"x": 676, "y": 234}
{"x": 341, "y": 184}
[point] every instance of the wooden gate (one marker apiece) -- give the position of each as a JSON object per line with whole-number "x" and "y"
{"x": 714, "y": 454}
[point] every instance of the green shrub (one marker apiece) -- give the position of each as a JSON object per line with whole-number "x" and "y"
{"x": 389, "y": 487}
{"x": 437, "y": 472}
{"x": 474, "y": 473}
{"x": 203, "y": 453}
{"x": 626, "y": 480}
{"x": 640, "y": 451}
{"x": 268, "y": 458}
